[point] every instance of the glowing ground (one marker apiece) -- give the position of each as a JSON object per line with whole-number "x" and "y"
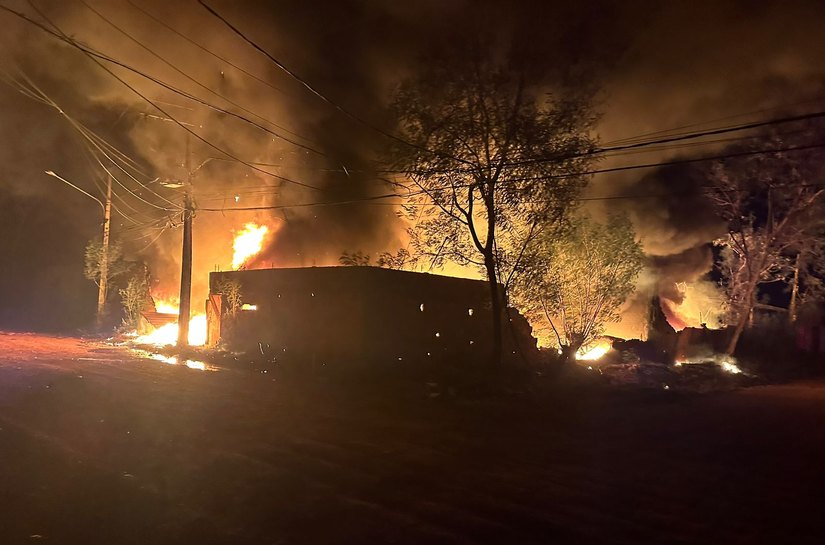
{"x": 98, "y": 445}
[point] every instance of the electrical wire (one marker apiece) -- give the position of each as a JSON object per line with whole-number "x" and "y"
{"x": 94, "y": 56}
{"x": 369, "y": 200}
{"x": 85, "y": 132}
{"x": 317, "y": 93}
{"x": 661, "y": 132}
{"x": 196, "y": 82}
{"x": 207, "y": 50}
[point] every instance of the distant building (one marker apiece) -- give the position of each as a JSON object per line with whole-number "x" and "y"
{"x": 358, "y": 314}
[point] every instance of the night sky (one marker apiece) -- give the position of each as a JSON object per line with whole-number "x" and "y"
{"x": 655, "y": 66}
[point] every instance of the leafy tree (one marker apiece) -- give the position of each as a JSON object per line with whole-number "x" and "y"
{"x": 773, "y": 205}
{"x": 354, "y": 259}
{"x": 574, "y": 284}
{"x": 117, "y": 265}
{"x": 402, "y": 259}
{"x": 135, "y": 297}
{"x": 493, "y": 158}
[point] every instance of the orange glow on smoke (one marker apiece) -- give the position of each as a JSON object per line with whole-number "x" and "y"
{"x": 248, "y": 242}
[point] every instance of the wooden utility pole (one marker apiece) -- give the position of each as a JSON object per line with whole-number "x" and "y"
{"x": 186, "y": 258}
{"x": 104, "y": 256}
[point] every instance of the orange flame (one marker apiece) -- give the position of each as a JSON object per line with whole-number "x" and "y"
{"x": 247, "y": 243}
{"x": 595, "y": 351}
{"x": 168, "y": 334}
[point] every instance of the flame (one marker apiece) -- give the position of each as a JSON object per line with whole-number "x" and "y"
{"x": 168, "y": 334}
{"x": 593, "y": 352}
{"x": 173, "y": 360}
{"x": 701, "y": 303}
{"x": 166, "y": 307}
{"x": 247, "y": 243}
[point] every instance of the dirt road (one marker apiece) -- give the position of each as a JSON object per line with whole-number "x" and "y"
{"x": 99, "y": 445}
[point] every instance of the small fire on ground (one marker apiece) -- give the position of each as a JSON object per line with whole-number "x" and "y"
{"x": 726, "y": 363}
{"x": 594, "y": 351}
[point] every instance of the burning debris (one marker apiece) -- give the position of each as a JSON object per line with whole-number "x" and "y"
{"x": 595, "y": 351}
{"x": 168, "y": 335}
{"x": 247, "y": 243}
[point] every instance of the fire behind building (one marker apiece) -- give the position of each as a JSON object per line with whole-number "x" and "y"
{"x": 357, "y": 314}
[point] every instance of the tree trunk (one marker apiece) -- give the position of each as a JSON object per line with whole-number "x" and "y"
{"x": 795, "y": 289}
{"x": 496, "y": 303}
{"x": 742, "y": 322}
{"x": 568, "y": 354}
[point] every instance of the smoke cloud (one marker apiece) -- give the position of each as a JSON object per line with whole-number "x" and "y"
{"x": 659, "y": 66}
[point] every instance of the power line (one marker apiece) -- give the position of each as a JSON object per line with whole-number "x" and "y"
{"x": 198, "y": 83}
{"x": 629, "y": 146}
{"x": 636, "y": 146}
{"x": 37, "y": 94}
{"x": 314, "y": 91}
{"x": 369, "y": 200}
{"x": 85, "y": 132}
{"x": 203, "y": 48}
{"x": 603, "y": 150}
{"x": 699, "y": 124}
{"x": 600, "y": 150}
{"x": 92, "y": 56}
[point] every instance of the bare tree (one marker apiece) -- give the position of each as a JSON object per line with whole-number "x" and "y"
{"x": 574, "y": 284}
{"x": 492, "y": 157}
{"x": 772, "y": 203}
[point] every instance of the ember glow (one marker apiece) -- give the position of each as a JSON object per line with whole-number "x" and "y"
{"x": 725, "y": 362}
{"x": 247, "y": 243}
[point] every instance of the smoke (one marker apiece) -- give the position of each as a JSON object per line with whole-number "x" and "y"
{"x": 696, "y": 66}
{"x": 661, "y": 66}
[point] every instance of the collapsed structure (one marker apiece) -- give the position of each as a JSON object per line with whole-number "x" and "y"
{"x": 357, "y": 314}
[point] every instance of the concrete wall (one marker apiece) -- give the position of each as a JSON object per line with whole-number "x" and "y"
{"x": 340, "y": 314}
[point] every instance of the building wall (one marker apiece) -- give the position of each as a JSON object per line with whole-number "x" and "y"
{"x": 346, "y": 314}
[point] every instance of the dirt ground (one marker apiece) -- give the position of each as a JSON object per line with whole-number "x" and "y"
{"x": 100, "y": 445}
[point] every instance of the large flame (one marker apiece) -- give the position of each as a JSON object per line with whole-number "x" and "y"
{"x": 247, "y": 243}
{"x": 701, "y": 304}
{"x": 166, "y": 307}
{"x": 168, "y": 334}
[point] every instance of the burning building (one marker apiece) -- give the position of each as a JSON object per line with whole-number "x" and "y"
{"x": 356, "y": 314}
